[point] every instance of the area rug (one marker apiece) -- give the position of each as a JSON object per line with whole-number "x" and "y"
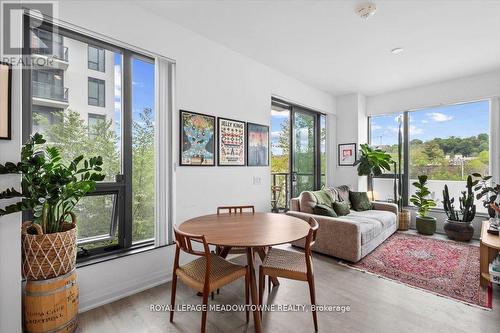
{"x": 445, "y": 268}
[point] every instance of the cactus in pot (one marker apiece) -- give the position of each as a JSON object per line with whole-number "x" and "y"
{"x": 458, "y": 226}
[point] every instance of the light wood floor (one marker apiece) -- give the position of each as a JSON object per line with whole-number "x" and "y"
{"x": 377, "y": 305}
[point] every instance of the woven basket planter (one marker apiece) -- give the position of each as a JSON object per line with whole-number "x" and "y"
{"x": 46, "y": 256}
{"x": 404, "y": 220}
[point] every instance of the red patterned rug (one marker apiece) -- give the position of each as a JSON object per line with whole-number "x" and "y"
{"x": 446, "y": 268}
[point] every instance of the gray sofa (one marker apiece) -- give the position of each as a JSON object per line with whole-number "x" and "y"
{"x": 349, "y": 237}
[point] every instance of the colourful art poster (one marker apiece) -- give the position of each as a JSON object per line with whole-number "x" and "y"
{"x": 232, "y": 142}
{"x": 347, "y": 154}
{"x": 258, "y": 145}
{"x": 197, "y": 137}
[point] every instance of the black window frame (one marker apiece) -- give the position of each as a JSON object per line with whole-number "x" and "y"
{"x": 100, "y": 100}
{"x": 99, "y": 66}
{"x": 122, "y": 186}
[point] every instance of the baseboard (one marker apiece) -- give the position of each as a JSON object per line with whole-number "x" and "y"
{"x": 97, "y": 299}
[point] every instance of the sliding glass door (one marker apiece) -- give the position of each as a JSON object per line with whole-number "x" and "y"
{"x": 298, "y": 152}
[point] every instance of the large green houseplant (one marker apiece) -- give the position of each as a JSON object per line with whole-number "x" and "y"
{"x": 489, "y": 192}
{"x": 458, "y": 226}
{"x": 425, "y": 224}
{"x": 49, "y": 190}
{"x": 372, "y": 162}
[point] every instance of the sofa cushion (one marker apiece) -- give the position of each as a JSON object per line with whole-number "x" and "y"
{"x": 341, "y": 208}
{"x": 343, "y": 193}
{"x": 307, "y": 202}
{"x": 359, "y": 201}
{"x": 324, "y": 210}
{"x": 372, "y": 222}
{"x": 323, "y": 197}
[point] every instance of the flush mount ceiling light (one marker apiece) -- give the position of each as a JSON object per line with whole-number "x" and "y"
{"x": 365, "y": 10}
{"x": 397, "y": 50}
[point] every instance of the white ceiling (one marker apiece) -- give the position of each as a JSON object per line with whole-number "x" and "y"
{"x": 324, "y": 44}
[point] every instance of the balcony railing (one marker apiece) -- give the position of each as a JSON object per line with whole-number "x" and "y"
{"x": 50, "y": 91}
{"x": 280, "y": 194}
{"x": 45, "y": 43}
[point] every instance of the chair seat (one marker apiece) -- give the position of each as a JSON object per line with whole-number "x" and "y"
{"x": 222, "y": 272}
{"x": 287, "y": 264}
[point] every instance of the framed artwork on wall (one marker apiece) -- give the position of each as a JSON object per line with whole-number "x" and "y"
{"x": 197, "y": 139}
{"x": 257, "y": 145}
{"x": 231, "y": 138}
{"x": 5, "y": 101}
{"x": 347, "y": 154}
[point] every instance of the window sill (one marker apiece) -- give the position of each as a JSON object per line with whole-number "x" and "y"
{"x": 121, "y": 253}
{"x": 441, "y": 210}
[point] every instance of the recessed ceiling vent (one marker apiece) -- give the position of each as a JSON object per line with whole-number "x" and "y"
{"x": 366, "y": 10}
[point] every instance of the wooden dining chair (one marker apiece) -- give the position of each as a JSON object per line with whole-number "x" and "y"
{"x": 205, "y": 274}
{"x": 291, "y": 265}
{"x": 233, "y": 210}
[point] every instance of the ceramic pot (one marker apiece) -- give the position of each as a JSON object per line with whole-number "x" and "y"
{"x": 459, "y": 231}
{"x": 426, "y": 225}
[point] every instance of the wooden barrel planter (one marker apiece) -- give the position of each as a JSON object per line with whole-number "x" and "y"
{"x": 51, "y": 305}
{"x": 404, "y": 220}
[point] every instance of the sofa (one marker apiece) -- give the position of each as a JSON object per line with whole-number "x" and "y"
{"x": 350, "y": 237}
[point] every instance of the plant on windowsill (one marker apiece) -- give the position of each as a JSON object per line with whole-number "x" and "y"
{"x": 426, "y": 225}
{"x": 489, "y": 192}
{"x": 49, "y": 190}
{"x": 372, "y": 162}
{"x": 458, "y": 226}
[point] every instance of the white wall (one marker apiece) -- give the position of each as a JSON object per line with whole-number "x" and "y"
{"x": 351, "y": 128}
{"x": 209, "y": 79}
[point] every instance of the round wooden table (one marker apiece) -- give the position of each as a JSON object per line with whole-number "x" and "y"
{"x": 249, "y": 230}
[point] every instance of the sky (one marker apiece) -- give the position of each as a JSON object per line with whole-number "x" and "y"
{"x": 143, "y": 89}
{"x": 460, "y": 120}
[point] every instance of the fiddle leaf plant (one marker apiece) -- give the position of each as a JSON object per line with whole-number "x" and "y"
{"x": 420, "y": 198}
{"x": 373, "y": 162}
{"x": 49, "y": 188}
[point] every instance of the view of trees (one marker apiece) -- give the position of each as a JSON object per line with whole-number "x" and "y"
{"x": 450, "y": 158}
{"x": 71, "y": 134}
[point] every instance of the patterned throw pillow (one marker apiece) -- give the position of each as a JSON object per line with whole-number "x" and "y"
{"x": 323, "y": 197}
{"x": 324, "y": 210}
{"x": 341, "y": 208}
{"x": 360, "y": 201}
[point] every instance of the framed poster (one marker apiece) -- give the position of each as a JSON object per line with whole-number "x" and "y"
{"x": 347, "y": 154}
{"x": 197, "y": 139}
{"x": 231, "y": 136}
{"x": 257, "y": 145}
{"x": 5, "y": 101}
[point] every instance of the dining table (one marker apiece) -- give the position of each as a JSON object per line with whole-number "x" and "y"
{"x": 253, "y": 231}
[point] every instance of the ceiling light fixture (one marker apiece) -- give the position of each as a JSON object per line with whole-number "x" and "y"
{"x": 397, "y": 50}
{"x": 365, "y": 10}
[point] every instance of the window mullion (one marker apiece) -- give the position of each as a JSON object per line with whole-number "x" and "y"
{"x": 126, "y": 227}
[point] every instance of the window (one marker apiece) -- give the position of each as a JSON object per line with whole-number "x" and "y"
{"x": 97, "y": 92}
{"x": 322, "y": 148}
{"x": 446, "y": 143}
{"x": 121, "y": 212}
{"x": 95, "y": 123}
{"x": 96, "y": 58}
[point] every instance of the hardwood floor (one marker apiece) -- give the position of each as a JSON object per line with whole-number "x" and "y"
{"x": 377, "y": 305}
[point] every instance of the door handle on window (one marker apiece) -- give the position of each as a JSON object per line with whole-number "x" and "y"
{"x": 119, "y": 178}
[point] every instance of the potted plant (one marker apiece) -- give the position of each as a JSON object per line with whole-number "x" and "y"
{"x": 425, "y": 224}
{"x": 372, "y": 162}
{"x": 458, "y": 226}
{"x": 49, "y": 190}
{"x": 488, "y": 192}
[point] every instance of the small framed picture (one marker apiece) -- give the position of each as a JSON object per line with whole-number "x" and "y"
{"x": 257, "y": 145}
{"x": 197, "y": 139}
{"x": 231, "y": 135}
{"x": 347, "y": 154}
{"x": 5, "y": 101}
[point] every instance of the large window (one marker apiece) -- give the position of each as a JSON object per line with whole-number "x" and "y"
{"x": 120, "y": 214}
{"x": 446, "y": 143}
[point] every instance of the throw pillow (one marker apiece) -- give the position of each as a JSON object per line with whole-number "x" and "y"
{"x": 341, "y": 208}
{"x": 360, "y": 201}
{"x": 324, "y": 210}
{"x": 323, "y": 197}
{"x": 343, "y": 193}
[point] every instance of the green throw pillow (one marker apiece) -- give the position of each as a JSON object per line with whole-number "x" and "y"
{"x": 359, "y": 201}
{"x": 323, "y": 197}
{"x": 341, "y": 208}
{"x": 324, "y": 210}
